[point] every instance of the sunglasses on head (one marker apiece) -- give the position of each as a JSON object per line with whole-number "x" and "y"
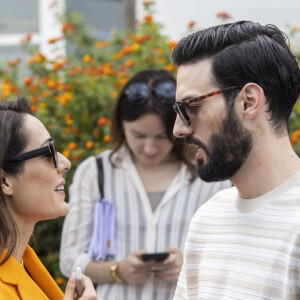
{"x": 49, "y": 150}
{"x": 139, "y": 92}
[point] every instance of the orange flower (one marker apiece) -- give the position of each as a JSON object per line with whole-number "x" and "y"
{"x": 106, "y": 138}
{"x": 66, "y": 153}
{"x": 14, "y": 62}
{"x": 170, "y": 67}
{"x": 191, "y": 24}
{"x": 148, "y": 2}
{"x": 76, "y": 157}
{"x": 101, "y": 121}
{"x": 27, "y": 81}
{"x": 87, "y": 58}
{"x": 26, "y": 38}
{"x": 148, "y": 37}
{"x": 114, "y": 94}
{"x": 126, "y": 50}
{"x": 33, "y": 108}
{"x": 172, "y": 44}
{"x": 224, "y": 15}
{"x": 295, "y": 137}
{"x": 68, "y": 27}
{"x": 129, "y": 63}
{"x": 54, "y": 40}
{"x": 34, "y": 99}
{"x": 75, "y": 130}
{"x": 102, "y": 44}
{"x": 59, "y": 280}
{"x": 148, "y": 19}
{"x": 72, "y": 146}
{"x": 139, "y": 39}
{"x": 89, "y": 144}
{"x": 135, "y": 47}
{"x": 79, "y": 70}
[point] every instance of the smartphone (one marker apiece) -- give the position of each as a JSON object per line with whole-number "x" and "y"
{"x": 158, "y": 256}
{"x": 79, "y": 284}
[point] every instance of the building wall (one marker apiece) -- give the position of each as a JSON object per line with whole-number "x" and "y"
{"x": 176, "y": 14}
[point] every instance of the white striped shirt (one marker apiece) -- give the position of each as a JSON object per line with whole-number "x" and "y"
{"x": 137, "y": 226}
{"x": 244, "y": 248}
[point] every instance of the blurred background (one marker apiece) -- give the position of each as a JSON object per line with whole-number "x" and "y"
{"x": 70, "y": 59}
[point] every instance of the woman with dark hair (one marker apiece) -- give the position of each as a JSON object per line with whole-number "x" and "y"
{"x": 32, "y": 189}
{"x": 149, "y": 179}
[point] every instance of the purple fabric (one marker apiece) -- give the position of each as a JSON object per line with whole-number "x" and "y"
{"x": 102, "y": 243}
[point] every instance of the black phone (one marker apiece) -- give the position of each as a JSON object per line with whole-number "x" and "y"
{"x": 158, "y": 256}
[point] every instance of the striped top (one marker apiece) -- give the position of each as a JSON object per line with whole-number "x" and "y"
{"x": 137, "y": 226}
{"x": 244, "y": 248}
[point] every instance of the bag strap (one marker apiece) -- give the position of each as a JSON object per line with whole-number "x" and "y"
{"x": 100, "y": 175}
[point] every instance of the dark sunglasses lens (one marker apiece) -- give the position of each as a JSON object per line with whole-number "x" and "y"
{"x": 166, "y": 92}
{"x": 138, "y": 93}
{"x": 54, "y": 153}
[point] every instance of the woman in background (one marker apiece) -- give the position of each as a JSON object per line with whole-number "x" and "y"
{"x": 150, "y": 178}
{"x": 32, "y": 189}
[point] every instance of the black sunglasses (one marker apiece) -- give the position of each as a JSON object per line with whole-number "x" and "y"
{"x": 49, "y": 150}
{"x": 139, "y": 92}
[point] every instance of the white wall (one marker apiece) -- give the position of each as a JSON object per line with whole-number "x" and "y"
{"x": 176, "y": 14}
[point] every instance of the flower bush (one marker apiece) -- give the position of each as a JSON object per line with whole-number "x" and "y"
{"x": 74, "y": 95}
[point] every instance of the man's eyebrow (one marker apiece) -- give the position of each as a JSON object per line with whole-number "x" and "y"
{"x": 46, "y": 141}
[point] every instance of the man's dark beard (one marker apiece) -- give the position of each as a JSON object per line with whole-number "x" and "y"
{"x": 226, "y": 151}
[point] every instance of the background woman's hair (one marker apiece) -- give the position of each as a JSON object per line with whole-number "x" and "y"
{"x": 13, "y": 140}
{"x": 126, "y": 110}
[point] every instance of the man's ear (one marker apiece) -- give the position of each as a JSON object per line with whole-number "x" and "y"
{"x": 252, "y": 100}
{"x": 6, "y": 184}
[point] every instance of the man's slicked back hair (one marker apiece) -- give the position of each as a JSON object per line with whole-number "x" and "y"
{"x": 245, "y": 52}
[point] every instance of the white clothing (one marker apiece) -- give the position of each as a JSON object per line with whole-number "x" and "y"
{"x": 244, "y": 248}
{"x": 137, "y": 226}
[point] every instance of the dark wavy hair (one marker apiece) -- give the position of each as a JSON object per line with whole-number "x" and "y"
{"x": 126, "y": 110}
{"x": 245, "y": 52}
{"x": 13, "y": 140}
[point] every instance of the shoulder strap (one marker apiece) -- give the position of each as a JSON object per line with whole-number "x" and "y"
{"x": 100, "y": 175}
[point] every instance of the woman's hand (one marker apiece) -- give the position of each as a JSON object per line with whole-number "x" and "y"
{"x": 89, "y": 292}
{"x": 169, "y": 269}
{"x": 132, "y": 269}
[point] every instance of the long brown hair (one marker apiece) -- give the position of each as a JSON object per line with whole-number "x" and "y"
{"x": 13, "y": 140}
{"x": 126, "y": 110}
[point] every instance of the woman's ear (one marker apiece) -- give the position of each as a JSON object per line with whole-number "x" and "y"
{"x": 252, "y": 100}
{"x": 6, "y": 184}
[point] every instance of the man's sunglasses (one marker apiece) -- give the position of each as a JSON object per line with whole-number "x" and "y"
{"x": 180, "y": 107}
{"x": 139, "y": 92}
{"x": 49, "y": 150}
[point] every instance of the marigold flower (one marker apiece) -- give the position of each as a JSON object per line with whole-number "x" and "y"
{"x": 139, "y": 39}
{"x": 101, "y": 121}
{"x": 76, "y": 157}
{"x": 148, "y": 2}
{"x": 87, "y": 58}
{"x": 34, "y": 99}
{"x": 135, "y": 47}
{"x": 172, "y": 44}
{"x": 33, "y": 108}
{"x": 191, "y": 24}
{"x": 66, "y": 153}
{"x": 68, "y": 27}
{"x": 14, "y": 62}
{"x": 106, "y": 138}
{"x": 75, "y": 130}
{"x": 126, "y": 50}
{"x": 148, "y": 19}
{"x": 114, "y": 94}
{"x": 162, "y": 60}
{"x": 295, "y": 137}
{"x": 27, "y": 81}
{"x": 170, "y": 67}
{"x": 54, "y": 40}
{"x": 26, "y": 38}
{"x": 89, "y": 144}
{"x": 102, "y": 44}
{"x": 72, "y": 146}
{"x": 117, "y": 55}
{"x": 42, "y": 105}
{"x": 79, "y": 70}
{"x": 59, "y": 280}
{"x": 129, "y": 63}
{"x": 224, "y": 15}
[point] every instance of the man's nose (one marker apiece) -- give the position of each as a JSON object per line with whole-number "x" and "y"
{"x": 180, "y": 130}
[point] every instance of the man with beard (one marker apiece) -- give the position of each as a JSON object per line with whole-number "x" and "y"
{"x": 236, "y": 87}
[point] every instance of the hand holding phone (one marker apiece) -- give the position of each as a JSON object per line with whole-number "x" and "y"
{"x": 158, "y": 256}
{"x": 79, "y": 284}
